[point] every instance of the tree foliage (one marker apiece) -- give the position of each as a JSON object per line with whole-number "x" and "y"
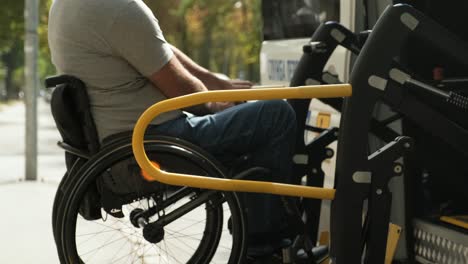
{"x": 12, "y": 41}
{"x": 223, "y": 36}
{"x": 11, "y": 23}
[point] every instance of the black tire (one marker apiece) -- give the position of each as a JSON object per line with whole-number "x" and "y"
{"x": 64, "y": 184}
{"x": 213, "y": 229}
{"x": 55, "y": 215}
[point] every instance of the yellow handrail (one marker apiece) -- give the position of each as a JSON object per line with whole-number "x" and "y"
{"x": 196, "y": 181}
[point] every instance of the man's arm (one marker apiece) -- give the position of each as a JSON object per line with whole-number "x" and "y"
{"x": 136, "y": 36}
{"x": 211, "y": 81}
{"x": 174, "y": 80}
{"x": 190, "y": 65}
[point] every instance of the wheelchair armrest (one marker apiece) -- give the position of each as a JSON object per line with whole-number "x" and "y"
{"x": 75, "y": 151}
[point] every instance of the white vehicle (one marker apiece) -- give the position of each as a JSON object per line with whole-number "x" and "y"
{"x": 285, "y": 37}
{"x": 288, "y": 26}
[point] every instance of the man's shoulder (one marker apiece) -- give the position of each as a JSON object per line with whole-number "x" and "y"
{"x": 81, "y": 14}
{"x": 114, "y": 3}
{"x": 102, "y": 2}
{"x": 111, "y": 10}
{"x": 103, "y": 8}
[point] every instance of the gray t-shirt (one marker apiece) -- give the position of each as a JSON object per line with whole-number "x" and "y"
{"x": 113, "y": 46}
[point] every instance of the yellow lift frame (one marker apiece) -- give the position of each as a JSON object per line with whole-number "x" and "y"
{"x": 197, "y": 181}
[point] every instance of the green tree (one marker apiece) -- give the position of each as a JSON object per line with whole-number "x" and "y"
{"x": 224, "y": 36}
{"x": 46, "y": 68}
{"x": 12, "y": 43}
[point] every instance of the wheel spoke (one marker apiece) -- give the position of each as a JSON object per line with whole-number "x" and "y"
{"x": 194, "y": 231}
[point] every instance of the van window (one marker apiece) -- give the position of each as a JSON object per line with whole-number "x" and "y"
{"x": 289, "y": 19}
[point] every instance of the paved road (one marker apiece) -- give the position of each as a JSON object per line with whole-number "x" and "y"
{"x": 12, "y": 145}
{"x": 25, "y": 225}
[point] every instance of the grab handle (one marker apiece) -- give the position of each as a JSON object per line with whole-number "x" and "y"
{"x": 197, "y": 181}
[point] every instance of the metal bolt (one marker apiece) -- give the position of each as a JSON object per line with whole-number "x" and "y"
{"x": 329, "y": 153}
{"x": 379, "y": 191}
{"x": 407, "y": 145}
{"x": 398, "y": 169}
{"x": 336, "y": 134}
{"x": 314, "y": 171}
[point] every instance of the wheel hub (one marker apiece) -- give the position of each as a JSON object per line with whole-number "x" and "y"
{"x": 152, "y": 232}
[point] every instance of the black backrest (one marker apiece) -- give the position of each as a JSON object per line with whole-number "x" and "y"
{"x": 71, "y": 111}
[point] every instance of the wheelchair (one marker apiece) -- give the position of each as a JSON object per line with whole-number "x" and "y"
{"x": 151, "y": 222}
{"x": 148, "y": 224}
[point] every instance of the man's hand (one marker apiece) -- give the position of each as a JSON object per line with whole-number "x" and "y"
{"x": 235, "y": 84}
{"x": 213, "y": 82}
{"x": 241, "y": 84}
{"x": 216, "y": 83}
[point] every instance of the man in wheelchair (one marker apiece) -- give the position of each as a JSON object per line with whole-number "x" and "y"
{"x": 117, "y": 49}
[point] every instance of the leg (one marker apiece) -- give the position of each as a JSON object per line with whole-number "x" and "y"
{"x": 264, "y": 129}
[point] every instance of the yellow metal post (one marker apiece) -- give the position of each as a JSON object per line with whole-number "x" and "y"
{"x": 197, "y": 181}
{"x": 394, "y": 232}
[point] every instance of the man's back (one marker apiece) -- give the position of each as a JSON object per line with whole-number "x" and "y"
{"x": 112, "y": 46}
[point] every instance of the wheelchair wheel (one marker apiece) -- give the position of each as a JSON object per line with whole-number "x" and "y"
{"x": 57, "y": 209}
{"x": 183, "y": 225}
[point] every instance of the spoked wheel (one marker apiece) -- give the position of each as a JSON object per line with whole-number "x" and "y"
{"x": 178, "y": 226}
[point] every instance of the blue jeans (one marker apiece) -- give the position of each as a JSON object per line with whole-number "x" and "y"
{"x": 264, "y": 129}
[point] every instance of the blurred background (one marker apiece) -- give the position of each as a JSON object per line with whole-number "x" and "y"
{"x": 198, "y": 27}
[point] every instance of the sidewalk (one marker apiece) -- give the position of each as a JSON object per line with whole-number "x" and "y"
{"x": 25, "y": 226}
